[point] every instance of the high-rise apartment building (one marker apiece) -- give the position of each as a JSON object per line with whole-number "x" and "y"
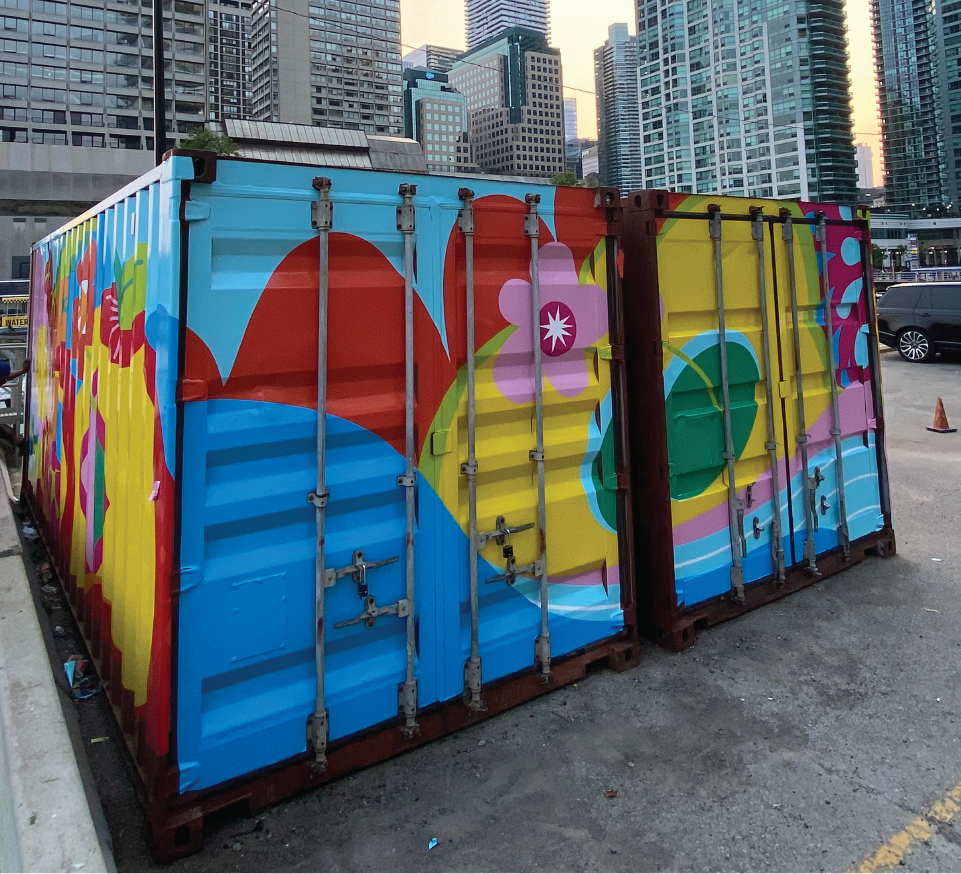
{"x": 82, "y": 73}
{"x": 487, "y": 18}
{"x": 513, "y": 84}
{"x": 590, "y": 162}
{"x": 437, "y": 58}
{"x": 320, "y": 62}
{"x": 572, "y": 145}
{"x": 908, "y": 52}
{"x": 435, "y": 114}
{"x": 618, "y": 119}
{"x": 747, "y": 97}
{"x": 570, "y": 118}
{"x": 229, "y": 85}
{"x": 865, "y": 159}
{"x": 949, "y": 50}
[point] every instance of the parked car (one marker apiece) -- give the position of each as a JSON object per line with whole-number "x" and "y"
{"x": 921, "y": 318}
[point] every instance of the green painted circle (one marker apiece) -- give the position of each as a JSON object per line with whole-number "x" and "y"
{"x": 695, "y": 417}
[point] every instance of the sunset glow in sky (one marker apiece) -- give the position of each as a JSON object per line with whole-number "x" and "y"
{"x": 580, "y": 26}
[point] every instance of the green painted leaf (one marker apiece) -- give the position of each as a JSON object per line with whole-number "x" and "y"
{"x": 602, "y": 467}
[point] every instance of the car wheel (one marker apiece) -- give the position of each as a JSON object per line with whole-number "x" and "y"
{"x": 915, "y": 346}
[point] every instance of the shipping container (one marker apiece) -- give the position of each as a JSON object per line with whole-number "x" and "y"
{"x": 757, "y": 424}
{"x": 469, "y": 489}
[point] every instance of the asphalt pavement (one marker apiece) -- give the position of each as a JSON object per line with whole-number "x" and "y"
{"x": 820, "y": 733}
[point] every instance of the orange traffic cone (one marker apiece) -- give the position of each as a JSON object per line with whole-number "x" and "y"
{"x": 941, "y": 420}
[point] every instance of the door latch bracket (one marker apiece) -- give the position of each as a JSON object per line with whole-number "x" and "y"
{"x": 358, "y": 572}
{"x": 372, "y": 612}
{"x": 319, "y": 500}
{"x": 501, "y": 533}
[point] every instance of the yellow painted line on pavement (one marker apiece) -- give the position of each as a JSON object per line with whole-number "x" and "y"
{"x": 901, "y": 845}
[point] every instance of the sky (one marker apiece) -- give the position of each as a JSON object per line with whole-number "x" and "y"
{"x": 580, "y": 26}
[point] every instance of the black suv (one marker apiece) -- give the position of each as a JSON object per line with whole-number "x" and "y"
{"x": 921, "y": 318}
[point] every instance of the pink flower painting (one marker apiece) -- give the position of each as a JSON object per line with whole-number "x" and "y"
{"x": 573, "y": 317}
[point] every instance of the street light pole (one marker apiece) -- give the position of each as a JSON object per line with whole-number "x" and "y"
{"x": 159, "y": 91}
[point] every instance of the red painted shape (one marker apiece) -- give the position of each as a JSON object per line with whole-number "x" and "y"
{"x": 154, "y": 715}
{"x": 572, "y": 209}
{"x": 277, "y": 360}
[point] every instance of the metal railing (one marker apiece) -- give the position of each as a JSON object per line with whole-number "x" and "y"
{"x": 923, "y": 274}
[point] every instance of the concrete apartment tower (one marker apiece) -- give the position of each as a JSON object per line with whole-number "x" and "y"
{"x": 81, "y": 74}
{"x": 746, "y": 98}
{"x": 514, "y": 90}
{"x": 619, "y": 139}
{"x": 322, "y": 64}
{"x": 487, "y": 18}
{"x": 230, "y": 84}
{"x": 77, "y": 100}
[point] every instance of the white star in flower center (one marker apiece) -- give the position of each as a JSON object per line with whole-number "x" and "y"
{"x": 557, "y": 329}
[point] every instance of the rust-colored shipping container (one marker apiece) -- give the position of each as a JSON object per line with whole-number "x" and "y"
{"x": 757, "y": 432}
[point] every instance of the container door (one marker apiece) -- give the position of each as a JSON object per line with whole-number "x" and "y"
{"x": 247, "y": 638}
{"x": 725, "y": 431}
{"x": 835, "y": 488}
{"x": 571, "y": 537}
{"x": 571, "y": 525}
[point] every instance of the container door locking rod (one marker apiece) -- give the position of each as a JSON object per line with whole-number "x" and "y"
{"x": 777, "y": 542}
{"x": 874, "y": 354}
{"x": 473, "y": 676}
{"x": 809, "y": 484}
{"x": 542, "y": 646}
{"x": 843, "y": 538}
{"x": 322, "y": 219}
{"x": 735, "y": 504}
{"x": 406, "y": 222}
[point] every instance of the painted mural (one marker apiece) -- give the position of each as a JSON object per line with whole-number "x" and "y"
{"x": 98, "y": 472}
{"x": 692, "y": 377}
{"x": 235, "y": 548}
{"x": 252, "y": 357}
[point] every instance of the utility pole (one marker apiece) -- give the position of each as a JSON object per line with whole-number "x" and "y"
{"x": 159, "y": 90}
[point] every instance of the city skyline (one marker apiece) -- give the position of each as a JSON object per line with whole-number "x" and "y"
{"x": 578, "y": 28}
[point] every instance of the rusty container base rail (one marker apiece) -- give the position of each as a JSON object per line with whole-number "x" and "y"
{"x": 677, "y": 631}
{"x": 176, "y": 822}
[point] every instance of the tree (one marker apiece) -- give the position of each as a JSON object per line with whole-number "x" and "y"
{"x": 877, "y": 256}
{"x": 207, "y": 141}
{"x": 568, "y": 177}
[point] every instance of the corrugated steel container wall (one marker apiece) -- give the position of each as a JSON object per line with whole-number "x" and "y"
{"x": 102, "y": 421}
{"x": 174, "y": 447}
{"x": 246, "y": 657}
{"x": 725, "y": 531}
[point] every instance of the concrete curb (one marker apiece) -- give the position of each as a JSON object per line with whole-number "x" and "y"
{"x": 46, "y": 822}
